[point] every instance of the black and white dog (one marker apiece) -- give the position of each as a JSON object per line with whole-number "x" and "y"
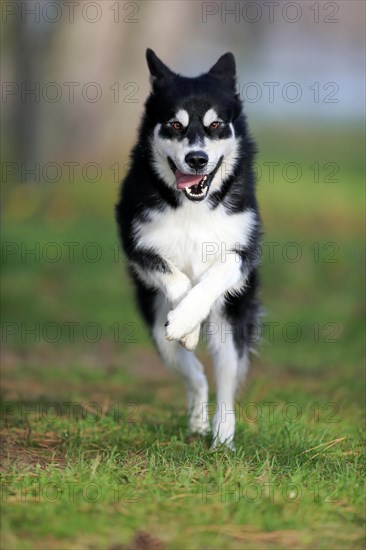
{"x": 189, "y": 224}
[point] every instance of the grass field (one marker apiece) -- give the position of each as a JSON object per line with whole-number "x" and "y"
{"x": 95, "y": 453}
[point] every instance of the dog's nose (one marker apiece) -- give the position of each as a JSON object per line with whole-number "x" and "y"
{"x": 196, "y": 159}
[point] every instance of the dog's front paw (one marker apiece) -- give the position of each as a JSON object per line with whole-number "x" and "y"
{"x": 179, "y": 327}
{"x": 186, "y": 318}
{"x": 190, "y": 341}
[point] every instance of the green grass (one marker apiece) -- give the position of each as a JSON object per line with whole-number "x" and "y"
{"x": 95, "y": 451}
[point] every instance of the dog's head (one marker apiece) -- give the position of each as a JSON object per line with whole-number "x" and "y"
{"x": 192, "y": 124}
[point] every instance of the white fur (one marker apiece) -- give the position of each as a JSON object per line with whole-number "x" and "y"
{"x": 210, "y": 117}
{"x": 182, "y": 116}
{"x": 194, "y": 237}
{"x": 198, "y": 244}
{"x": 197, "y": 304}
{"x": 177, "y": 150}
{"x": 174, "y": 285}
{"x": 190, "y": 341}
{"x": 187, "y": 366}
{"x": 228, "y": 149}
{"x": 228, "y": 367}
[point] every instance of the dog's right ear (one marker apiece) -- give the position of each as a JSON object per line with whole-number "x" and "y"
{"x": 224, "y": 69}
{"x": 158, "y": 70}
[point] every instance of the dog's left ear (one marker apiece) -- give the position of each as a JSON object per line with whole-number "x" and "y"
{"x": 158, "y": 70}
{"x": 225, "y": 69}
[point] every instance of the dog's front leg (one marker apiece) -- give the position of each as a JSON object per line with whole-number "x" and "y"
{"x": 160, "y": 273}
{"x": 176, "y": 286}
{"x": 196, "y": 305}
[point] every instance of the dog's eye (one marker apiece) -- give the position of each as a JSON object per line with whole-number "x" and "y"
{"x": 176, "y": 125}
{"x": 214, "y": 125}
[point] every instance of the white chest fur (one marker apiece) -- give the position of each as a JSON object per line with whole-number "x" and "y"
{"x": 193, "y": 236}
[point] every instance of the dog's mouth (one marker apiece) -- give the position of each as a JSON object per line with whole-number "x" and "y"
{"x": 195, "y": 186}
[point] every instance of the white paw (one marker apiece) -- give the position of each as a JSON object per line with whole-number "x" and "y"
{"x": 199, "y": 429}
{"x": 228, "y": 444}
{"x": 178, "y": 326}
{"x": 198, "y": 424}
{"x": 223, "y": 432}
{"x": 185, "y": 318}
{"x": 190, "y": 341}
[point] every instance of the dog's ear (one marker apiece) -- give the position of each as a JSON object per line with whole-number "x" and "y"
{"x": 224, "y": 69}
{"x": 158, "y": 70}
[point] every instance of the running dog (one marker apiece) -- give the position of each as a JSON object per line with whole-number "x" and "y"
{"x": 190, "y": 228}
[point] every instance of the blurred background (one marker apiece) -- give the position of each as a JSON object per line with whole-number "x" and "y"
{"x": 74, "y": 81}
{"x": 74, "y": 73}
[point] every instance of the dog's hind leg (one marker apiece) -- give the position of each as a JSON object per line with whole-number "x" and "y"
{"x": 186, "y": 364}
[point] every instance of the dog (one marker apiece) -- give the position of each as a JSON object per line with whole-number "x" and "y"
{"x": 190, "y": 227}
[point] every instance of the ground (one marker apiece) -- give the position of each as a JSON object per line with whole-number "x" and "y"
{"x": 95, "y": 453}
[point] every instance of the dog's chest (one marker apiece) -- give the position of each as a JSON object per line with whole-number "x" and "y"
{"x": 193, "y": 237}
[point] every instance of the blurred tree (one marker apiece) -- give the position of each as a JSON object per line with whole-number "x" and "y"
{"x": 31, "y": 55}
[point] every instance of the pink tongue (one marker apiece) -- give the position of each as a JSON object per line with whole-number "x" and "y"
{"x": 186, "y": 180}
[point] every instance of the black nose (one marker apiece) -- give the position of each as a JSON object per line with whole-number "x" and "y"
{"x": 196, "y": 159}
